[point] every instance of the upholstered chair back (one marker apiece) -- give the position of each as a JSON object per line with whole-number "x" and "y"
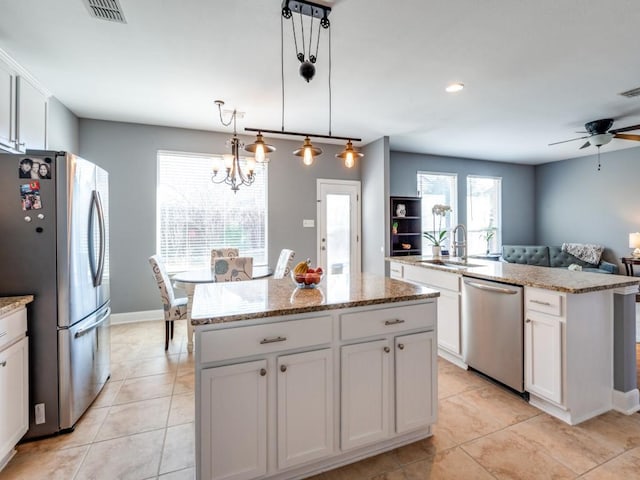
{"x": 285, "y": 262}
{"x": 230, "y": 269}
{"x": 224, "y": 252}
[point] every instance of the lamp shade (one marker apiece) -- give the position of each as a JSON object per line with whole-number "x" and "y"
{"x": 634, "y": 242}
{"x": 308, "y": 152}
{"x": 260, "y": 149}
{"x": 349, "y": 155}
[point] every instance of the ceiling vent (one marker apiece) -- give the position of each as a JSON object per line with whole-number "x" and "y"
{"x": 109, "y": 10}
{"x": 634, "y": 92}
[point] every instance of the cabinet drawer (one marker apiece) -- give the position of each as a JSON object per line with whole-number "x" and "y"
{"x": 543, "y": 301}
{"x": 13, "y": 326}
{"x": 395, "y": 270}
{"x": 387, "y": 320}
{"x": 432, "y": 278}
{"x": 238, "y": 342}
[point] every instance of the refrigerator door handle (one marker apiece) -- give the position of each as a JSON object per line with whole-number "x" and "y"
{"x": 84, "y": 331}
{"x": 97, "y": 275}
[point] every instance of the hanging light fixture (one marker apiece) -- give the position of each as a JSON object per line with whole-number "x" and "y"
{"x": 301, "y": 8}
{"x": 260, "y": 149}
{"x": 349, "y": 155}
{"x": 235, "y": 176}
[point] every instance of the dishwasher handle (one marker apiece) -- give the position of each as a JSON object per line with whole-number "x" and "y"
{"x": 490, "y": 288}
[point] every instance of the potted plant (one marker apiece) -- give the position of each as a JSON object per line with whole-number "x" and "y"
{"x": 394, "y": 228}
{"x": 487, "y": 235}
{"x": 437, "y": 236}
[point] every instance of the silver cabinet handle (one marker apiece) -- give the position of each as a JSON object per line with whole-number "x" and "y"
{"x": 273, "y": 340}
{"x": 539, "y": 302}
{"x": 3, "y": 363}
{"x": 283, "y": 368}
{"x": 2, "y": 334}
{"x": 263, "y": 372}
{"x": 393, "y": 322}
{"x": 401, "y": 346}
{"x": 489, "y": 288}
{"x": 387, "y": 349}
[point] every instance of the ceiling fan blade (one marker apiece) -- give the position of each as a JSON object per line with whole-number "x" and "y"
{"x": 627, "y": 136}
{"x": 625, "y": 129}
{"x": 572, "y": 140}
{"x": 584, "y": 146}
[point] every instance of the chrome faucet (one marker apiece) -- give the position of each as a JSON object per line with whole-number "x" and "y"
{"x": 456, "y": 245}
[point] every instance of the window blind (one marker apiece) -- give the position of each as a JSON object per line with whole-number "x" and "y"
{"x": 194, "y": 215}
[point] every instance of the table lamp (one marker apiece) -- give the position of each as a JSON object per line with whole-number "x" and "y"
{"x": 634, "y": 242}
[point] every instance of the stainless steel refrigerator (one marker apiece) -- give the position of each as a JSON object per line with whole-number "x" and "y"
{"x": 54, "y": 244}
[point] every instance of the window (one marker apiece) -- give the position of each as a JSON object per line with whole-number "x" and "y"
{"x": 195, "y": 215}
{"x": 438, "y": 189}
{"x": 484, "y": 217}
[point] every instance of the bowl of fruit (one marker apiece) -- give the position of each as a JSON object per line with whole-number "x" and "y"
{"x": 304, "y": 276}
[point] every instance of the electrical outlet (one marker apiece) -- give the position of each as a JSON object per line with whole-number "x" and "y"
{"x": 39, "y": 413}
{"x": 308, "y": 222}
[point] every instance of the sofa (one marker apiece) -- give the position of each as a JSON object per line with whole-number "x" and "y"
{"x": 551, "y": 256}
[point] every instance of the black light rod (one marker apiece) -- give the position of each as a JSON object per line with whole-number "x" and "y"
{"x": 299, "y": 134}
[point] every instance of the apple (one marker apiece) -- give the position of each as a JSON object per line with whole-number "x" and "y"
{"x": 311, "y": 270}
{"x": 300, "y": 277}
{"x": 319, "y": 270}
{"x": 311, "y": 278}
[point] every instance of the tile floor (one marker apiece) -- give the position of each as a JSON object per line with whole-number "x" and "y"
{"x": 142, "y": 427}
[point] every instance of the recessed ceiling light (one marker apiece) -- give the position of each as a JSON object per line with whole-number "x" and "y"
{"x": 454, "y": 87}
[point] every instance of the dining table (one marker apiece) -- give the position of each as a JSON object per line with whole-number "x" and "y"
{"x": 188, "y": 280}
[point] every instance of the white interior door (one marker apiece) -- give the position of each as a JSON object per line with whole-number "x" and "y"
{"x": 339, "y": 225}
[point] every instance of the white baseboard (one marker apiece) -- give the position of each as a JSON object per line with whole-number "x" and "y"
{"x": 626, "y": 402}
{"x": 135, "y": 317}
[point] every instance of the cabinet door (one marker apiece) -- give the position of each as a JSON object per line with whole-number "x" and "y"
{"x": 32, "y": 116}
{"x": 14, "y": 395}
{"x": 233, "y": 411}
{"x": 365, "y": 393}
{"x": 415, "y": 381}
{"x": 305, "y": 407}
{"x": 449, "y": 321}
{"x": 6, "y": 106}
{"x": 543, "y": 356}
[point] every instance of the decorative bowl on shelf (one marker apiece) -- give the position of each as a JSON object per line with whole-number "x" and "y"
{"x": 307, "y": 280}
{"x": 406, "y": 246}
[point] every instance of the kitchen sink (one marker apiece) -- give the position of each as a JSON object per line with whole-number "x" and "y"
{"x": 450, "y": 264}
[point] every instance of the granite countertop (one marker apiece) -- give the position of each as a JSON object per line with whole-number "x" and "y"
{"x": 558, "y": 279}
{"x": 233, "y": 301}
{"x": 9, "y": 304}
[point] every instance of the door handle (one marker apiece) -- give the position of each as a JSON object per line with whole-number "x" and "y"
{"x": 489, "y": 288}
{"x": 84, "y": 331}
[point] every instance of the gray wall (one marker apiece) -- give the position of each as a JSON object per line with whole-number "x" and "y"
{"x": 129, "y": 153}
{"x": 578, "y": 203}
{"x": 518, "y": 188}
{"x": 375, "y": 192}
{"x": 62, "y": 128}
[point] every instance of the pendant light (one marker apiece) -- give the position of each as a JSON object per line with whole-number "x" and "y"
{"x": 308, "y": 152}
{"x": 349, "y": 155}
{"x": 260, "y": 149}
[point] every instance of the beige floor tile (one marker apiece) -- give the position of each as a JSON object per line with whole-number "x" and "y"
{"x": 186, "y": 474}
{"x": 134, "y": 457}
{"x": 578, "y": 448}
{"x": 453, "y": 380}
{"x": 135, "y": 417}
{"x": 623, "y": 430}
{"x": 185, "y": 382}
{"x": 509, "y": 456}
{"x": 626, "y": 466}
{"x": 364, "y": 469}
{"x": 108, "y": 394}
{"x": 144, "y": 388}
{"x": 179, "y": 448}
{"x": 154, "y": 365}
{"x": 452, "y": 464}
{"x": 182, "y": 409}
{"x": 504, "y": 406}
{"x": 412, "y": 453}
{"x": 45, "y": 465}
{"x": 460, "y": 421}
{"x": 121, "y": 370}
{"x": 395, "y": 475}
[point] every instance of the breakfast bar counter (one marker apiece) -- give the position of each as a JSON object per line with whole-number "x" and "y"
{"x": 291, "y": 382}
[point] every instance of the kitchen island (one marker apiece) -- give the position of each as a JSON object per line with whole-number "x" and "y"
{"x": 578, "y": 330}
{"x": 292, "y": 382}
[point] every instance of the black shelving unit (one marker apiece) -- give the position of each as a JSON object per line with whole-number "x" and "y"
{"x": 409, "y": 230}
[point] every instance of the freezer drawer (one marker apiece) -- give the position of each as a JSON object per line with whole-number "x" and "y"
{"x": 84, "y": 364}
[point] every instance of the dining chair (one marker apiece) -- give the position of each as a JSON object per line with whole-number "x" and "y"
{"x": 224, "y": 252}
{"x": 285, "y": 262}
{"x": 174, "y": 308}
{"x": 230, "y": 269}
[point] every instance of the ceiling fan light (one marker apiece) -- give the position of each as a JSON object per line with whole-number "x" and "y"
{"x": 308, "y": 152}
{"x": 260, "y": 149}
{"x": 454, "y": 87}
{"x": 600, "y": 139}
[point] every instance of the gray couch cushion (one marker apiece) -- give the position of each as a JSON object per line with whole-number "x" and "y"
{"x": 558, "y": 258}
{"x": 526, "y": 254}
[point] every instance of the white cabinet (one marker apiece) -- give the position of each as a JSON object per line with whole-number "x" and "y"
{"x": 543, "y": 355}
{"x": 14, "y": 382}
{"x": 23, "y": 110}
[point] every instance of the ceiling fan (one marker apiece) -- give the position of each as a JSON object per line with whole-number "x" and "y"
{"x": 600, "y": 133}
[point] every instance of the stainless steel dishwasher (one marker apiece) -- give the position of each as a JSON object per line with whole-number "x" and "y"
{"x": 492, "y": 340}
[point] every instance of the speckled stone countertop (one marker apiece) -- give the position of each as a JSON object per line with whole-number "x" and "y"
{"x": 9, "y": 304}
{"x": 233, "y": 301}
{"x": 558, "y": 279}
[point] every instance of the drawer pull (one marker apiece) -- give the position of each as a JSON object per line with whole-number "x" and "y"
{"x": 528, "y": 320}
{"x": 283, "y": 368}
{"x": 3, "y": 364}
{"x": 387, "y": 349}
{"x": 393, "y": 322}
{"x": 401, "y": 346}
{"x": 2, "y": 334}
{"x": 540, "y": 302}
{"x": 263, "y": 372}
{"x": 272, "y": 340}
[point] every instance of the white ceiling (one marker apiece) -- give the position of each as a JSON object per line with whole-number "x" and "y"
{"x": 535, "y": 71}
